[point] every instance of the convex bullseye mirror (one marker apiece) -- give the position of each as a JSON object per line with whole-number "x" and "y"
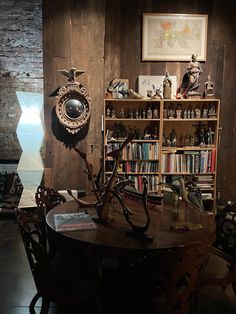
{"x": 73, "y": 103}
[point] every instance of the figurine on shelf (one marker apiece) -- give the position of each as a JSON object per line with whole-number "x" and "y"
{"x": 205, "y": 113}
{"x": 209, "y": 92}
{"x": 194, "y": 71}
{"x": 202, "y": 137}
{"x": 122, "y": 113}
{"x": 131, "y": 114}
{"x": 185, "y": 113}
{"x": 178, "y": 112}
{"x": 149, "y": 113}
{"x": 157, "y": 92}
{"x": 144, "y": 114}
{"x": 210, "y": 136}
{"x": 136, "y": 114}
{"x": 167, "y": 84}
{"x": 173, "y": 138}
{"x": 197, "y": 113}
{"x": 192, "y": 114}
{"x": 113, "y": 113}
{"x": 212, "y": 111}
{"x": 134, "y": 94}
{"x": 108, "y": 112}
{"x": 167, "y": 142}
{"x": 149, "y": 93}
{"x": 147, "y": 135}
{"x": 110, "y": 87}
{"x": 140, "y": 114}
{"x": 155, "y": 113}
{"x": 171, "y": 113}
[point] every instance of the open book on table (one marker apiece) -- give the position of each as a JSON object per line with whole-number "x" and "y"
{"x": 73, "y": 221}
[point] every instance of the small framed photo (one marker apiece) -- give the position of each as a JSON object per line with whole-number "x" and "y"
{"x": 150, "y": 82}
{"x": 120, "y": 89}
{"x": 174, "y": 37}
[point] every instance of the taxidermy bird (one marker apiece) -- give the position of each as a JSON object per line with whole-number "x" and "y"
{"x": 191, "y": 194}
{"x": 72, "y": 73}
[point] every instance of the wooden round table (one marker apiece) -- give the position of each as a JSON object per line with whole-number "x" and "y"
{"x": 115, "y": 252}
{"x": 111, "y": 239}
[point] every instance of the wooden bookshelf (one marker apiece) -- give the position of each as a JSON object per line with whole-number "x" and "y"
{"x": 195, "y": 144}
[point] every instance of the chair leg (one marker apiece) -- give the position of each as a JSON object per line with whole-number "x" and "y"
{"x": 45, "y": 306}
{"x": 33, "y": 302}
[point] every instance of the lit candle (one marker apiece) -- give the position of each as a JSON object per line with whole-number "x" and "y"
{"x": 102, "y": 124}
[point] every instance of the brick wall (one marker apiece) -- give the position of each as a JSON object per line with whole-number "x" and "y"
{"x": 21, "y": 65}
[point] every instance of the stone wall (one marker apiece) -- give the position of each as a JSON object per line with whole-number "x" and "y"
{"x": 21, "y": 65}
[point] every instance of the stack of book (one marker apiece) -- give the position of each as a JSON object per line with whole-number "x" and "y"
{"x": 137, "y": 151}
{"x": 189, "y": 162}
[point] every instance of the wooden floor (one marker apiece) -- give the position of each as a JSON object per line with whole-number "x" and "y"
{"x": 17, "y": 286}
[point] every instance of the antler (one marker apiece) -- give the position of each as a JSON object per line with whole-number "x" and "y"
{"x": 90, "y": 172}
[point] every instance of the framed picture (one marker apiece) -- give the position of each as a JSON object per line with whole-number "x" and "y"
{"x": 120, "y": 89}
{"x": 174, "y": 37}
{"x": 150, "y": 82}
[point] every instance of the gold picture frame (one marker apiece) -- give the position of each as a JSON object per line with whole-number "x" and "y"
{"x": 174, "y": 37}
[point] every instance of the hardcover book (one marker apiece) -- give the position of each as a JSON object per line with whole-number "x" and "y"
{"x": 73, "y": 221}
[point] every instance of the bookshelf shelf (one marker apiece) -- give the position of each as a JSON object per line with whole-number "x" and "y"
{"x": 190, "y": 120}
{"x": 179, "y": 135}
{"x": 190, "y": 148}
{"x": 135, "y": 173}
{"x": 188, "y": 173}
{"x": 133, "y": 119}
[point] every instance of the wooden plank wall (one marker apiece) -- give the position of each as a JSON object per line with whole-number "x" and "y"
{"x": 104, "y": 38}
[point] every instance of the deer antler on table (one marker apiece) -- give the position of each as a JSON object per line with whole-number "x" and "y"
{"x": 107, "y": 191}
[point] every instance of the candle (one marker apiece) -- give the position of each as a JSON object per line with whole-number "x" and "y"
{"x": 102, "y": 124}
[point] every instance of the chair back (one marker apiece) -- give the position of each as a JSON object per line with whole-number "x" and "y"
{"x": 166, "y": 281}
{"x": 47, "y": 198}
{"x": 32, "y": 232}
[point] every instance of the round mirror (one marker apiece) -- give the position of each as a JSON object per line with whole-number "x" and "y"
{"x": 74, "y": 108}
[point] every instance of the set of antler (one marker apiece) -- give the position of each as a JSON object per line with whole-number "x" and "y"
{"x": 110, "y": 189}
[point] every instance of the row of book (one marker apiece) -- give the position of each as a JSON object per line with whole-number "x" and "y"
{"x": 153, "y": 182}
{"x": 134, "y": 166}
{"x": 137, "y": 151}
{"x": 189, "y": 161}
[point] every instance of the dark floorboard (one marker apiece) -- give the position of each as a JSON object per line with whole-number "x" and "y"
{"x": 17, "y": 286}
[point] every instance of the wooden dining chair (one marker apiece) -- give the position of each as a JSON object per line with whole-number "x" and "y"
{"x": 165, "y": 282}
{"x": 58, "y": 279}
{"x": 47, "y": 198}
{"x": 220, "y": 271}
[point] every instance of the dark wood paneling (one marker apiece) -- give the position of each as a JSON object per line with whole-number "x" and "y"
{"x": 105, "y": 40}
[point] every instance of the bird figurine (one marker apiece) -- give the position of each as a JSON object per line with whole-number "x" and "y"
{"x": 191, "y": 194}
{"x": 71, "y": 74}
{"x": 175, "y": 187}
{"x": 135, "y": 94}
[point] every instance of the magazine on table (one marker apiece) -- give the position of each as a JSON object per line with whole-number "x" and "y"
{"x": 74, "y": 221}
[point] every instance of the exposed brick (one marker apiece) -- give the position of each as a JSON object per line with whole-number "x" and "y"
{"x": 21, "y": 65}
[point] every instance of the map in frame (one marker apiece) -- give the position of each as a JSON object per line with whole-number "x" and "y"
{"x": 174, "y": 37}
